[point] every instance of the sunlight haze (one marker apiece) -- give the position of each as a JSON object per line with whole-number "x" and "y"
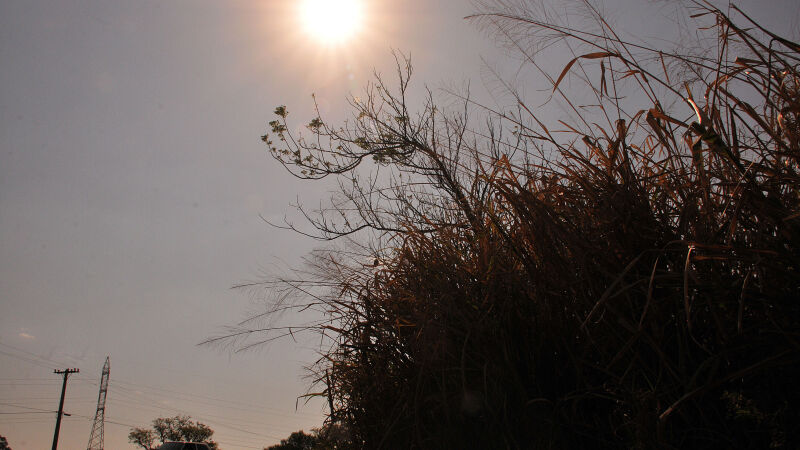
{"x": 135, "y": 191}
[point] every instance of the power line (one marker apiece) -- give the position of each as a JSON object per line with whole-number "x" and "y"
{"x": 25, "y": 421}
{"x": 26, "y": 407}
{"x": 145, "y": 402}
{"x": 215, "y": 422}
{"x": 41, "y": 361}
{"x": 113, "y": 422}
{"x": 28, "y": 379}
{"x": 241, "y": 404}
{"x": 41, "y": 399}
{"x": 28, "y": 360}
{"x": 52, "y": 361}
{"x": 210, "y": 418}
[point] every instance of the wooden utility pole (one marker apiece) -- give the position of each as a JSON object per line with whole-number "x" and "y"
{"x": 66, "y": 373}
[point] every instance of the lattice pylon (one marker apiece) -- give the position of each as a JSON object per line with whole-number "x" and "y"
{"x": 96, "y": 438}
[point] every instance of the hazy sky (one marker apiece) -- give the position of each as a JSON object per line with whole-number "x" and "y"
{"x": 132, "y": 181}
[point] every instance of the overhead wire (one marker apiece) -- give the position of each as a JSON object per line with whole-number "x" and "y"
{"x": 132, "y": 395}
{"x": 26, "y": 359}
{"x": 115, "y": 421}
{"x": 25, "y": 407}
{"x": 205, "y": 418}
{"x": 39, "y": 357}
{"x": 243, "y": 404}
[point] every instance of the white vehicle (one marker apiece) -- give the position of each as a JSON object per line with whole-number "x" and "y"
{"x": 184, "y": 446}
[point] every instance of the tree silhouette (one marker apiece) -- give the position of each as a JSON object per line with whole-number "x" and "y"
{"x": 177, "y": 428}
{"x": 299, "y": 440}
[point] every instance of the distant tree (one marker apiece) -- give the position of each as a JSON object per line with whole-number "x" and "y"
{"x": 4, "y": 444}
{"x": 299, "y": 440}
{"x": 178, "y": 428}
{"x": 142, "y": 437}
{"x": 331, "y": 436}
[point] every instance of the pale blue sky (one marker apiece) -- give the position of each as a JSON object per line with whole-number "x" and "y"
{"x": 132, "y": 178}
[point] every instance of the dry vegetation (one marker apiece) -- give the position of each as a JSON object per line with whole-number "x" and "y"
{"x": 625, "y": 279}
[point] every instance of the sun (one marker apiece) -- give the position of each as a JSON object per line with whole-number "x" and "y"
{"x": 331, "y": 22}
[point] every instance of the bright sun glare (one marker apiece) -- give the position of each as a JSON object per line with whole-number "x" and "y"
{"x": 331, "y": 21}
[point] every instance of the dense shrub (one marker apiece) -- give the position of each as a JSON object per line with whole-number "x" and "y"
{"x": 628, "y": 280}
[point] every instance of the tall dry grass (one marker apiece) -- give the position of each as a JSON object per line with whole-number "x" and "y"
{"x": 629, "y": 280}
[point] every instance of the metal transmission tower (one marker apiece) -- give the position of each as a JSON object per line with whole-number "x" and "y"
{"x": 96, "y": 438}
